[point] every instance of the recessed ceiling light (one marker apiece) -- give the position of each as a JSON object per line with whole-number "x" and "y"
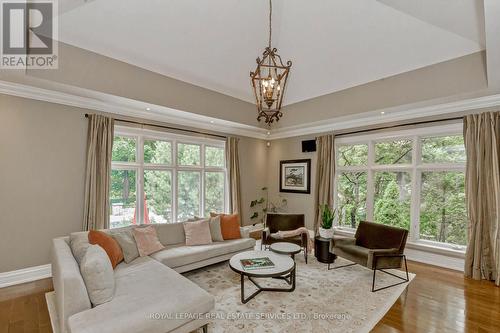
{"x": 268, "y": 133}
{"x": 382, "y": 112}
{"x": 148, "y": 109}
{"x": 211, "y": 121}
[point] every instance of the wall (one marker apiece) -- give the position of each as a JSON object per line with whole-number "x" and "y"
{"x": 42, "y": 149}
{"x": 291, "y": 149}
{"x": 42, "y": 152}
{"x": 253, "y": 169}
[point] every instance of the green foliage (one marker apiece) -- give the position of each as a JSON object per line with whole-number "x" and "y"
{"x": 123, "y": 149}
{"x": 157, "y": 152}
{"x": 259, "y": 207}
{"x": 214, "y": 192}
{"x": 214, "y": 156}
{"x": 352, "y": 198}
{"x": 393, "y": 152}
{"x": 188, "y": 154}
{"x": 158, "y": 191}
{"x": 390, "y": 210}
{"x": 327, "y": 216}
{"x": 443, "y": 215}
{"x": 442, "y": 196}
{"x": 263, "y": 205}
{"x": 158, "y": 184}
{"x": 353, "y": 155}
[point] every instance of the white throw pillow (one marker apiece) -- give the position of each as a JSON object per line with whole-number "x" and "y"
{"x": 215, "y": 229}
{"x": 98, "y": 275}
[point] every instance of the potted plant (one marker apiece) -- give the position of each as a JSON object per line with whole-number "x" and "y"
{"x": 327, "y": 216}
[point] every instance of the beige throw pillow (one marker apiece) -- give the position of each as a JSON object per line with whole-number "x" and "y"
{"x": 147, "y": 240}
{"x": 197, "y": 233}
{"x": 98, "y": 275}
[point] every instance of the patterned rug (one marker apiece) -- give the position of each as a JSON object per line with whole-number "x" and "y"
{"x": 323, "y": 301}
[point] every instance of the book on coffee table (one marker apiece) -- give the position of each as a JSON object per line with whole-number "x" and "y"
{"x": 256, "y": 263}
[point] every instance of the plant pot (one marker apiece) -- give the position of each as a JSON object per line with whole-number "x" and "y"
{"x": 326, "y": 233}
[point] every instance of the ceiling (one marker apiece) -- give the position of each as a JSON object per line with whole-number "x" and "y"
{"x": 334, "y": 44}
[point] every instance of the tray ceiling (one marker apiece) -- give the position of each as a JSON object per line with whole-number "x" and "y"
{"x": 334, "y": 45}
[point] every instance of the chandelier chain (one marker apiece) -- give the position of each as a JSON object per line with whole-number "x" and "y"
{"x": 270, "y": 21}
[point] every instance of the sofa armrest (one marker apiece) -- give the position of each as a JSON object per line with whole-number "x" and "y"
{"x": 245, "y": 232}
{"x": 392, "y": 255}
{"x": 70, "y": 289}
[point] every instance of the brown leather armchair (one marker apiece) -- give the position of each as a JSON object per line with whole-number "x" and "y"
{"x": 375, "y": 246}
{"x": 283, "y": 222}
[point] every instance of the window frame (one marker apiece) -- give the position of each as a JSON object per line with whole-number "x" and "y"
{"x": 142, "y": 135}
{"x": 416, "y": 168}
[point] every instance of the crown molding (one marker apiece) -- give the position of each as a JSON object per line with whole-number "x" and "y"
{"x": 92, "y": 100}
{"x": 386, "y": 115}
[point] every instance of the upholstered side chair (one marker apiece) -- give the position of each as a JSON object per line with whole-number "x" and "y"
{"x": 284, "y": 222}
{"x": 375, "y": 246}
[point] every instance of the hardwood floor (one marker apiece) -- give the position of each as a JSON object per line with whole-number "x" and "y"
{"x": 441, "y": 300}
{"x": 438, "y": 300}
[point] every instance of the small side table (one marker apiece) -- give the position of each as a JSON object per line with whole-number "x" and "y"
{"x": 286, "y": 248}
{"x": 322, "y": 250}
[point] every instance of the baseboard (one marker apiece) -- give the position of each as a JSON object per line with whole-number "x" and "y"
{"x": 25, "y": 275}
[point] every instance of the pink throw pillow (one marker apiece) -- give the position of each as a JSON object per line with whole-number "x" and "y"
{"x": 197, "y": 233}
{"x": 147, "y": 240}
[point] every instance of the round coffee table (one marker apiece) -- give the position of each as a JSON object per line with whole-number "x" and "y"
{"x": 286, "y": 248}
{"x": 284, "y": 268}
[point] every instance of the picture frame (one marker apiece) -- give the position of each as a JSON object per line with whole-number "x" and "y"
{"x": 295, "y": 176}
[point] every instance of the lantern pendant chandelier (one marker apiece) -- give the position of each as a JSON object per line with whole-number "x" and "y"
{"x": 269, "y": 80}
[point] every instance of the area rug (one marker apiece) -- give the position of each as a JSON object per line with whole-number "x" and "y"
{"x": 324, "y": 300}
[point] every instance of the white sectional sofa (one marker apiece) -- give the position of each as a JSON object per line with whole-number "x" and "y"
{"x": 149, "y": 291}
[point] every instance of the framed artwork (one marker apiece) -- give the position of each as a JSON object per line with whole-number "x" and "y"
{"x": 295, "y": 176}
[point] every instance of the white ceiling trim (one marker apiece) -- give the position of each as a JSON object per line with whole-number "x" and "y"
{"x": 131, "y": 108}
{"x": 386, "y": 115}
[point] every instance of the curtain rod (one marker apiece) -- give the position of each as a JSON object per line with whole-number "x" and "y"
{"x": 166, "y": 127}
{"x": 400, "y": 125}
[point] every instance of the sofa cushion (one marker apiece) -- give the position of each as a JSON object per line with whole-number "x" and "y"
{"x": 97, "y": 273}
{"x": 170, "y": 233}
{"x": 180, "y": 255}
{"x": 197, "y": 233}
{"x": 144, "y": 289}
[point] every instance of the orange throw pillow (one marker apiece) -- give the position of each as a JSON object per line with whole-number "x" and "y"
{"x": 229, "y": 225}
{"x": 109, "y": 244}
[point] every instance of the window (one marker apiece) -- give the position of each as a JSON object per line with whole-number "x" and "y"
{"x": 409, "y": 179}
{"x": 163, "y": 178}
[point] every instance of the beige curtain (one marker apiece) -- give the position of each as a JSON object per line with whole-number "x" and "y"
{"x": 98, "y": 171}
{"x": 233, "y": 166}
{"x": 482, "y": 143}
{"x": 325, "y": 170}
